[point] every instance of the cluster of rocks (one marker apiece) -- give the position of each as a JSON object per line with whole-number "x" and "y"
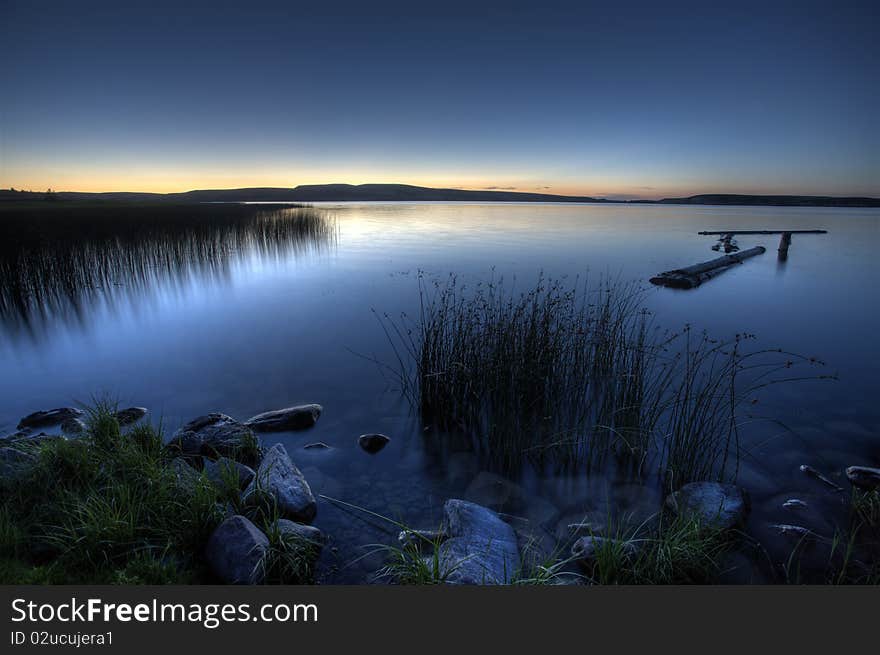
{"x": 237, "y": 548}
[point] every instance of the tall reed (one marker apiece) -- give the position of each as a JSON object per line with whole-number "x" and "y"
{"x": 568, "y": 373}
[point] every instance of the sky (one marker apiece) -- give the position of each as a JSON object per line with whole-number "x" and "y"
{"x": 631, "y": 100}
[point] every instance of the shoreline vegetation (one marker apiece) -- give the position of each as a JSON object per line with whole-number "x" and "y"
{"x": 57, "y": 261}
{"x": 561, "y": 375}
{"x": 408, "y": 193}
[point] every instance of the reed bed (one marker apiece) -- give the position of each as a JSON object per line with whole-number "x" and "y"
{"x": 58, "y": 262}
{"x": 568, "y": 373}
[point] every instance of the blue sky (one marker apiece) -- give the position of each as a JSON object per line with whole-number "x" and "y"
{"x": 631, "y": 100}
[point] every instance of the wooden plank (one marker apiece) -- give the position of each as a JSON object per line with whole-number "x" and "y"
{"x": 693, "y": 276}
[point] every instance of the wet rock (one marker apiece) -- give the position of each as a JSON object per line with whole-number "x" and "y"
{"x": 216, "y": 434}
{"x": 300, "y": 417}
{"x": 421, "y": 539}
{"x": 283, "y": 482}
{"x": 317, "y": 445}
{"x": 48, "y": 417}
{"x": 308, "y": 533}
{"x": 505, "y": 496}
{"x": 864, "y": 477}
{"x": 73, "y": 427}
{"x": 798, "y": 532}
{"x": 223, "y": 471}
{"x": 15, "y": 436}
{"x": 14, "y": 463}
{"x": 234, "y": 551}
{"x": 813, "y": 473}
{"x": 587, "y": 549}
{"x": 480, "y": 548}
{"x": 716, "y": 505}
{"x": 130, "y": 415}
{"x": 373, "y": 443}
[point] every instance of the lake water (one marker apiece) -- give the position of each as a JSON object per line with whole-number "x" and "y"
{"x": 266, "y": 325}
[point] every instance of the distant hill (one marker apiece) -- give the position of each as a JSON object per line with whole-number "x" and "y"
{"x": 775, "y": 201}
{"x": 408, "y": 193}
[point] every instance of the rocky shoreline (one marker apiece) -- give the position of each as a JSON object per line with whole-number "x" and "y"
{"x": 475, "y": 544}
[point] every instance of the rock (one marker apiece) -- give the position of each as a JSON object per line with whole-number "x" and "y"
{"x": 798, "y": 532}
{"x": 587, "y": 549}
{"x": 216, "y": 434}
{"x": 813, "y": 473}
{"x": 794, "y": 504}
{"x": 373, "y": 443}
{"x": 278, "y": 477}
{"x": 49, "y": 417}
{"x": 14, "y": 463}
{"x": 307, "y": 532}
{"x": 73, "y": 427}
{"x": 130, "y": 415}
{"x": 479, "y": 548}
{"x": 503, "y": 495}
{"x": 187, "y": 476}
{"x": 421, "y": 539}
{"x": 716, "y": 505}
{"x": 864, "y": 477}
{"x": 318, "y": 445}
{"x": 224, "y": 470}
{"x": 300, "y": 417}
{"x": 234, "y": 551}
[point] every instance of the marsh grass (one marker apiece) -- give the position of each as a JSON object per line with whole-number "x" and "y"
{"x": 678, "y": 550}
{"x": 569, "y": 373}
{"x": 58, "y": 262}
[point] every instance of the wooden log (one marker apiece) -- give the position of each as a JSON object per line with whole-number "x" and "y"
{"x": 690, "y": 277}
{"x": 725, "y": 232}
{"x": 784, "y": 243}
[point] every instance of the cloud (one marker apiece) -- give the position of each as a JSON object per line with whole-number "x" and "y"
{"x": 499, "y": 188}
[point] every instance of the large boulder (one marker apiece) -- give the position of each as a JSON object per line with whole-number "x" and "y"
{"x": 300, "y": 417}
{"x": 235, "y": 550}
{"x": 714, "y": 504}
{"x": 479, "y": 548}
{"x": 216, "y": 435}
{"x": 49, "y": 417}
{"x": 130, "y": 415}
{"x": 280, "y": 479}
{"x": 864, "y": 477}
{"x": 225, "y": 470}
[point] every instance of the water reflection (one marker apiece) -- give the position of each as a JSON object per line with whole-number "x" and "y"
{"x": 59, "y": 266}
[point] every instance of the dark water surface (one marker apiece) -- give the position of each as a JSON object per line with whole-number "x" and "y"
{"x": 247, "y": 320}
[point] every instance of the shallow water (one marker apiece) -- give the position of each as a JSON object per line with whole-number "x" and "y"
{"x": 265, "y": 327}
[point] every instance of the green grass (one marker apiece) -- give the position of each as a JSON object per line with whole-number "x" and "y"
{"x": 678, "y": 550}
{"x": 108, "y": 508}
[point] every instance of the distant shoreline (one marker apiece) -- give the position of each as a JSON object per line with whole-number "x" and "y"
{"x": 407, "y": 193}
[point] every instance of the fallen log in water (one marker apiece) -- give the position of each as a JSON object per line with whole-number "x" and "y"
{"x": 693, "y": 276}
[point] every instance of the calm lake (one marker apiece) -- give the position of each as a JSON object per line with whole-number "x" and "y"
{"x": 237, "y": 324}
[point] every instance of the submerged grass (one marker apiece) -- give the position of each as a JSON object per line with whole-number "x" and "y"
{"x": 568, "y": 373}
